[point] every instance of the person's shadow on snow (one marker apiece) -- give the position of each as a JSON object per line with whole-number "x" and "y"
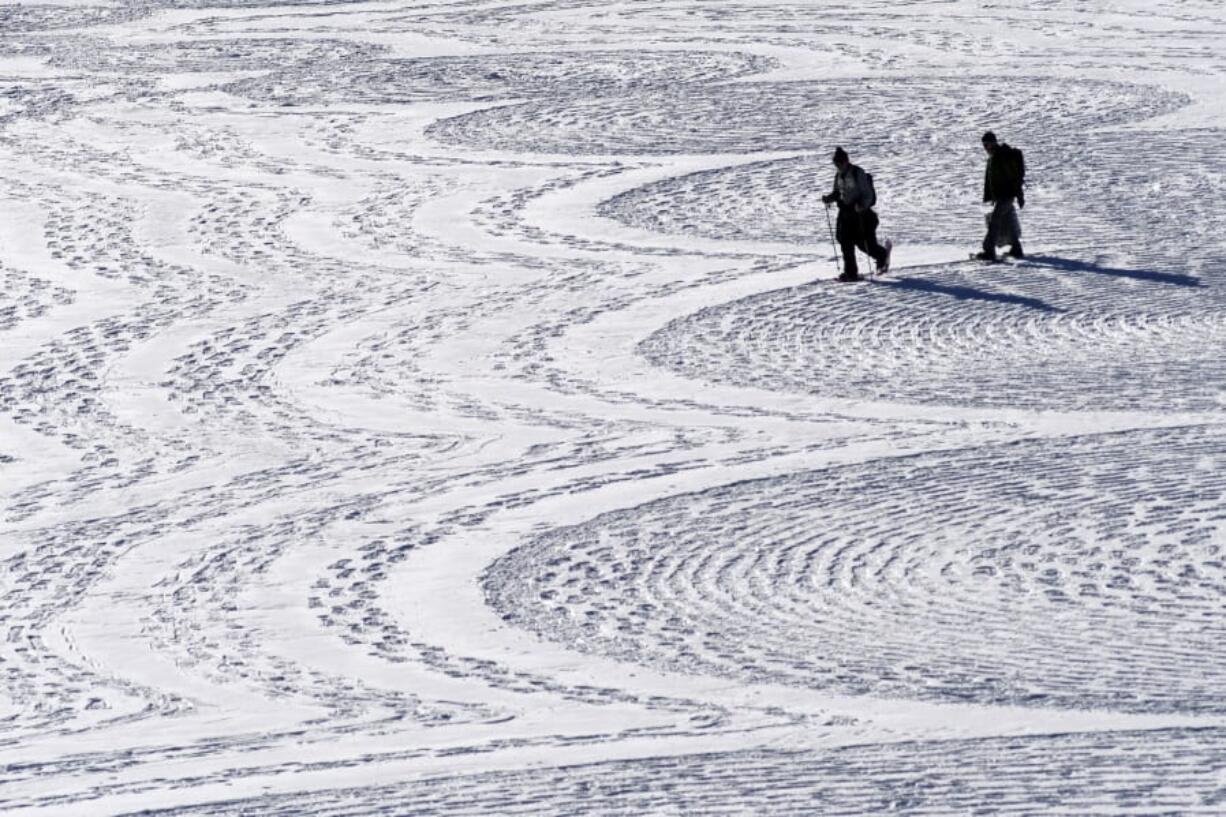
{"x": 1069, "y": 265}
{"x": 967, "y": 293}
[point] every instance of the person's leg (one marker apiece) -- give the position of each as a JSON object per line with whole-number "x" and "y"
{"x": 848, "y": 237}
{"x": 869, "y": 221}
{"x": 849, "y": 258}
{"x": 1015, "y": 234}
{"x": 994, "y": 226}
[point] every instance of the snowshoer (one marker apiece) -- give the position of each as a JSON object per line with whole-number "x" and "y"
{"x": 857, "y": 223}
{"x": 1003, "y": 184}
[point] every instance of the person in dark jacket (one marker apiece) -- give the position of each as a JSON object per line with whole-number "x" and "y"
{"x": 857, "y": 224}
{"x": 1003, "y": 181}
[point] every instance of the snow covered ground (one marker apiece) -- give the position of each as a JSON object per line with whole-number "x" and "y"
{"x": 444, "y": 408}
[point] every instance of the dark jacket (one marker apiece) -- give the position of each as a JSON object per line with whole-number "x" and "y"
{"x": 1002, "y": 180}
{"x": 850, "y": 188}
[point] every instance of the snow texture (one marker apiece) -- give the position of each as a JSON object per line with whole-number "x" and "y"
{"x": 445, "y": 408}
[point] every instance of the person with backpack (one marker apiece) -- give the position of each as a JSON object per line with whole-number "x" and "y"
{"x": 1004, "y": 183}
{"x": 857, "y": 223}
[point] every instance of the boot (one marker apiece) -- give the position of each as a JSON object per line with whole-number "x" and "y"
{"x": 1016, "y": 251}
{"x": 883, "y": 266}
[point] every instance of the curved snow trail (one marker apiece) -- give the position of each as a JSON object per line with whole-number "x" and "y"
{"x": 906, "y": 578}
{"x": 441, "y": 408}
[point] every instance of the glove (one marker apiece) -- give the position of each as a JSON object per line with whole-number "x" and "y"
{"x": 1021, "y": 198}
{"x": 830, "y": 198}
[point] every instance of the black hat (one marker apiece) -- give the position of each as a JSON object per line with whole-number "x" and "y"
{"x": 840, "y": 156}
{"x": 989, "y": 138}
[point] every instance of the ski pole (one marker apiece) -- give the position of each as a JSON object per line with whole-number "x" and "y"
{"x": 834, "y": 245}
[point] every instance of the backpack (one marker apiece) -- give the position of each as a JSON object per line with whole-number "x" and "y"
{"x": 1019, "y": 166}
{"x": 870, "y": 192}
{"x": 1019, "y": 162}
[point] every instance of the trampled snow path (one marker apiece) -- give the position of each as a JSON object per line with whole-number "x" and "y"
{"x": 443, "y": 408}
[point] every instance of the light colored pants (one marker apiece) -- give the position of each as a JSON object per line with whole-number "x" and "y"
{"x": 1004, "y": 227}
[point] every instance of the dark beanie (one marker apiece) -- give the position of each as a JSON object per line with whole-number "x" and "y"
{"x": 840, "y": 156}
{"x": 989, "y": 138}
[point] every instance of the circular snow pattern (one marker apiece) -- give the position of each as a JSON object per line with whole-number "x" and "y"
{"x": 496, "y": 76}
{"x": 1080, "y": 573}
{"x": 753, "y": 117}
{"x": 1164, "y": 771}
{"x": 1047, "y": 334}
